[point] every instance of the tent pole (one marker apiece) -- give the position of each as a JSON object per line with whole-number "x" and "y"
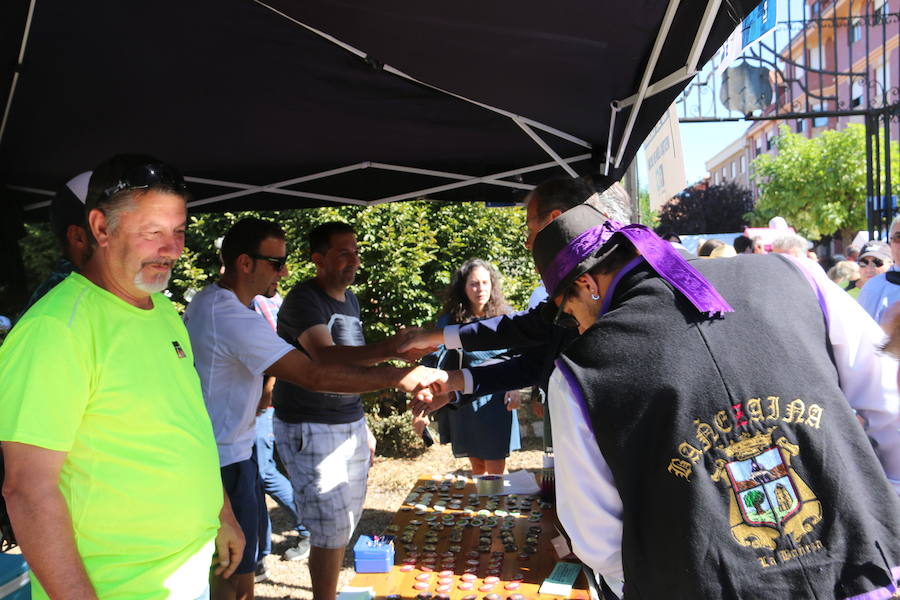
{"x": 464, "y": 180}
{"x": 613, "y": 109}
{"x": 474, "y": 180}
{"x": 648, "y": 72}
{"x": 660, "y": 86}
{"x": 19, "y": 64}
{"x": 686, "y": 72}
{"x": 448, "y": 175}
{"x": 271, "y": 190}
{"x": 709, "y": 17}
{"x": 546, "y": 148}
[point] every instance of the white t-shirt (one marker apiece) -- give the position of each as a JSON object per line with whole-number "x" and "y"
{"x": 233, "y": 346}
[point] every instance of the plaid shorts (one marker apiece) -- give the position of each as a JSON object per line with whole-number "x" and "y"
{"x": 328, "y": 465}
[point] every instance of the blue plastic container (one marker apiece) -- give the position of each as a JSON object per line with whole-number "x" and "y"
{"x": 15, "y": 583}
{"x": 371, "y": 556}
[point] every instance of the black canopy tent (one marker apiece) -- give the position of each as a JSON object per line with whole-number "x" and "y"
{"x": 289, "y": 103}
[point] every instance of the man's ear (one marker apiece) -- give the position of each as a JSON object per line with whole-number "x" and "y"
{"x": 317, "y": 258}
{"x": 585, "y": 280}
{"x": 244, "y": 263}
{"x": 77, "y": 236}
{"x": 98, "y": 226}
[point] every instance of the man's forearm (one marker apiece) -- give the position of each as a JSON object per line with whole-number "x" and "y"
{"x": 44, "y": 531}
{"x": 355, "y": 379}
{"x": 296, "y": 368}
{"x": 370, "y": 354}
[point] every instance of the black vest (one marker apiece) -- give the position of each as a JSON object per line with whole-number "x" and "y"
{"x": 742, "y": 470}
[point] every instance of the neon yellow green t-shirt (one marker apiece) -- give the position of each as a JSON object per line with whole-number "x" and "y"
{"x": 114, "y": 386}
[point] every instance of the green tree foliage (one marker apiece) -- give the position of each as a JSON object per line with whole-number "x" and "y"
{"x": 754, "y": 499}
{"x": 649, "y": 217}
{"x": 713, "y": 209}
{"x": 818, "y": 184}
{"x": 408, "y": 251}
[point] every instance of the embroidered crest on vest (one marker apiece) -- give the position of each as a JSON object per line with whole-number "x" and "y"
{"x": 767, "y": 499}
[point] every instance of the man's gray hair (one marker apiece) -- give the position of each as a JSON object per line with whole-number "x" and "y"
{"x": 614, "y": 202}
{"x": 564, "y": 193}
{"x": 118, "y": 205}
{"x": 789, "y": 242}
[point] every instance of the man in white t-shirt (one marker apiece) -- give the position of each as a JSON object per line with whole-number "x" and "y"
{"x": 233, "y": 347}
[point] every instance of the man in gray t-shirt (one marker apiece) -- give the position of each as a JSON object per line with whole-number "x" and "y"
{"x": 308, "y": 307}
{"x": 322, "y": 438}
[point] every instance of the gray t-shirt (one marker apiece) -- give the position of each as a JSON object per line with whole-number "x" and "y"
{"x": 306, "y": 306}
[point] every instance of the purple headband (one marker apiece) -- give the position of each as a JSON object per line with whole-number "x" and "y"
{"x": 664, "y": 259}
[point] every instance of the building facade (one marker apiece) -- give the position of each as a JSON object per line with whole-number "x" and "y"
{"x": 665, "y": 160}
{"x": 844, "y": 59}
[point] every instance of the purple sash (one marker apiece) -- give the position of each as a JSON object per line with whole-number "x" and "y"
{"x": 664, "y": 259}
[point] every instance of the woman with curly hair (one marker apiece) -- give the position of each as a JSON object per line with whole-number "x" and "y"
{"x": 486, "y": 429}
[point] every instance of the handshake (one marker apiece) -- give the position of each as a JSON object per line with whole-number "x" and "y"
{"x": 430, "y": 388}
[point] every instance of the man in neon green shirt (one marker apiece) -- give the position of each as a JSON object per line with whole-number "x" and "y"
{"x": 112, "y": 480}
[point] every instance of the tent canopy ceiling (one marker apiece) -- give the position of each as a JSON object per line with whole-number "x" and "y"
{"x": 281, "y": 103}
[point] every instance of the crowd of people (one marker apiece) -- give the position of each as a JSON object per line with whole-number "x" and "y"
{"x": 725, "y": 427}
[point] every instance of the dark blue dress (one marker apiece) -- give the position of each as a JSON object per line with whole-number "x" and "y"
{"x": 482, "y": 428}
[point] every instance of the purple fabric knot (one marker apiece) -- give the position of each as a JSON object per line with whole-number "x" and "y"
{"x": 664, "y": 259}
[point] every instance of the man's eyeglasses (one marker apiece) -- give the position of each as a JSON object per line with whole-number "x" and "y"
{"x": 145, "y": 177}
{"x": 277, "y": 262}
{"x": 564, "y": 319}
{"x": 864, "y": 262}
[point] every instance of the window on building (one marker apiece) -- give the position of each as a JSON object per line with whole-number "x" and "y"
{"x": 815, "y": 58}
{"x": 801, "y": 125}
{"x": 733, "y": 169}
{"x": 770, "y": 140}
{"x": 857, "y": 93}
{"x": 880, "y": 10}
{"x": 814, "y": 9}
{"x": 883, "y": 78}
{"x": 856, "y": 30}
{"x": 743, "y": 164}
{"x": 724, "y": 173}
{"x": 660, "y": 179}
{"x": 819, "y": 121}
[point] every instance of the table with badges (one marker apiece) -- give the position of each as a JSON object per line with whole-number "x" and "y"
{"x": 450, "y": 543}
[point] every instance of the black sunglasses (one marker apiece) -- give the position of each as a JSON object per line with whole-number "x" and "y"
{"x": 864, "y": 262}
{"x": 564, "y": 319}
{"x": 145, "y": 177}
{"x": 277, "y": 262}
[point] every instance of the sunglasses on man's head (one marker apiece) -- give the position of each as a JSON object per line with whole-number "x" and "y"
{"x": 864, "y": 262}
{"x": 277, "y": 262}
{"x": 145, "y": 177}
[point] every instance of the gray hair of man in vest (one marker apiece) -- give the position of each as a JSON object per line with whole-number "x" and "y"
{"x": 786, "y": 243}
{"x": 564, "y": 193}
{"x": 614, "y": 202}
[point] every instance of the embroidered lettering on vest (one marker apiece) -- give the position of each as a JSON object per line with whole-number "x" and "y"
{"x": 754, "y": 411}
{"x": 768, "y": 502}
